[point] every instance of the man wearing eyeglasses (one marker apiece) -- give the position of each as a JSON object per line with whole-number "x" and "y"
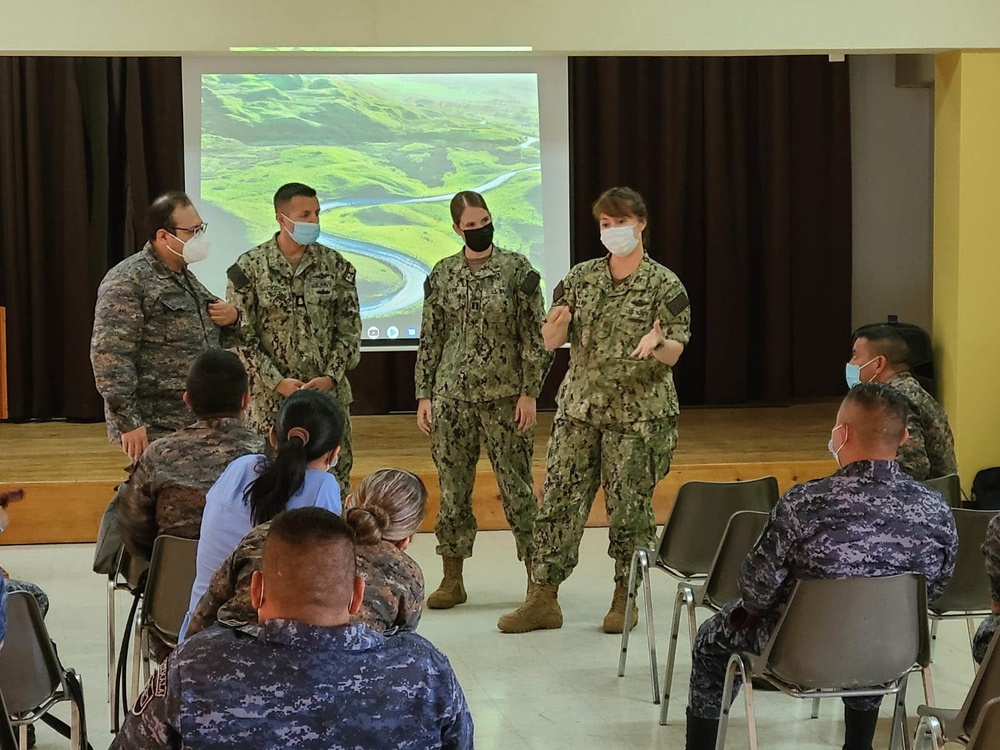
{"x": 152, "y": 318}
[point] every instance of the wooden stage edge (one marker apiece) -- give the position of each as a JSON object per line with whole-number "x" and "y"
{"x": 64, "y": 504}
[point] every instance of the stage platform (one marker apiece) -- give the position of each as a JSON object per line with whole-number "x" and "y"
{"x": 70, "y": 470}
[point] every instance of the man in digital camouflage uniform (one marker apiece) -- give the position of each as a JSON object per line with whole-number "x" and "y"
{"x": 152, "y": 318}
{"x": 868, "y": 519}
{"x": 299, "y": 317}
{"x": 480, "y": 368}
{"x": 881, "y": 354}
{"x": 627, "y": 319}
{"x": 304, "y": 677}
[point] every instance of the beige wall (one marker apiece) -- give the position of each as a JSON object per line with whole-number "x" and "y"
{"x": 892, "y": 135}
{"x": 549, "y": 26}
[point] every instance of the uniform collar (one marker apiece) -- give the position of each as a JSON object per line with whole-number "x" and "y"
{"x": 159, "y": 267}
{"x": 872, "y": 470}
{"x": 300, "y": 635}
{"x": 488, "y": 268}
{"x": 216, "y": 423}
{"x": 635, "y": 280}
{"x": 900, "y": 377}
{"x": 278, "y": 262}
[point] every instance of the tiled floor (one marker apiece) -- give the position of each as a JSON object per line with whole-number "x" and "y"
{"x": 555, "y": 689}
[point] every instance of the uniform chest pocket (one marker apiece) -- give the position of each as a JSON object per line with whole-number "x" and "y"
{"x": 176, "y": 301}
{"x": 321, "y": 288}
{"x": 635, "y": 320}
{"x": 275, "y": 296}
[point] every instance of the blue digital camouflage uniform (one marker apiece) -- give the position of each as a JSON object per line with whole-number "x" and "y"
{"x": 481, "y": 348}
{"x": 149, "y": 323}
{"x": 616, "y": 421}
{"x": 989, "y": 626}
{"x": 929, "y": 451}
{"x": 869, "y": 519}
{"x": 287, "y": 684}
{"x": 32, "y": 588}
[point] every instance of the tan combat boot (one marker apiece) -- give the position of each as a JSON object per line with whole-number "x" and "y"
{"x": 540, "y": 611}
{"x": 452, "y": 588}
{"x": 614, "y": 620}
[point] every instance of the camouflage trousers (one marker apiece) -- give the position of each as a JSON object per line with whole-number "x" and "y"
{"x": 263, "y": 410}
{"x": 40, "y": 596}
{"x": 458, "y": 431}
{"x": 980, "y": 644}
{"x": 628, "y": 460}
{"x": 715, "y": 643}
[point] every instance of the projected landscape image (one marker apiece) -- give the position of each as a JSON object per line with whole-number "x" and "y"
{"x": 386, "y": 153}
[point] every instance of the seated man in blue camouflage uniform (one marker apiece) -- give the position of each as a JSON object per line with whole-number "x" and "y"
{"x": 304, "y": 677}
{"x": 989, "y": 626}
{"x": 868, "y": 519}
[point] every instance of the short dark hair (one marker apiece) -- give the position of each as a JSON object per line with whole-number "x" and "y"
{"x": 885, "y": 408}
{"x": 887, "y": 342}
{"x": 622, "y": 202}
{"x": 291, "y": 190}
{"x": 161, "y": 212}
{"x": 318, "y": 545}
{"x": 216, "y": 384}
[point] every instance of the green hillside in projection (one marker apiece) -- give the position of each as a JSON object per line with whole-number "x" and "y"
{"x": 385, "y": 153}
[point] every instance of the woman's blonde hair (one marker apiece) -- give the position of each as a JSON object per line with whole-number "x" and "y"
{"x": 389, "y": 505}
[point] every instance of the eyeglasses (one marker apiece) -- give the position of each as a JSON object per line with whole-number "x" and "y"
{"x": 193, "y": 231}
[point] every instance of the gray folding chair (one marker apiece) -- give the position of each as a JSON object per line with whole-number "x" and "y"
{"x": 986, "y": 735}
{"x": 687, "y": 546}
{"x": 950, "y": 486}
{"x": 968, "y": 593}
{"x": 165, "y": 599}
{"x": 127, "y": 576}
{"x": 8, "y": 739}
{"x": 837, "y": 638}
{"x": 32, "y": 679}
{"x": 942, "y": 725}
{"x": 721, "y": 585}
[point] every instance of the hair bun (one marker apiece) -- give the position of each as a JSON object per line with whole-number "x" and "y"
{"x": 367, "y": 523}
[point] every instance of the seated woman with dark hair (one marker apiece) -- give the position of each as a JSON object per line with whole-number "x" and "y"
{"x": 385, "y": 511}
{"x": 253, "y": 489}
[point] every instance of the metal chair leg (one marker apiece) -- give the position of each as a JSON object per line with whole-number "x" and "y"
{"x": 925, "y": 678}
{"x": 647, "y": 592}
{"x": 22, "y": 737}
{"x": 111, "y": 639}
{"x": 146, "y": 671}
{"x": 76, "y": 724}
{"x": 136, "y": 653}
{"x": 735, "y": 665}
{"x": 629, "y": 603}
{"x": 668, "y": 675}
{"x": 815, "y": 708}
{"x": 751, "y": 712}
{"x": 929, "y": 735}
{"x": 970, "y": 623}
{"x": 899, "y": 734}
{"x": 934, "y": 630}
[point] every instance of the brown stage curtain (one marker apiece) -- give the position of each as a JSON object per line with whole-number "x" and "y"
{"x": 84, "y": 143}
{"x": 745, "y": 165}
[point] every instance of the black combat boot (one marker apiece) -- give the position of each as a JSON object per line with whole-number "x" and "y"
{"x": 860, "y": 728}
{"x": 701, "y": 733}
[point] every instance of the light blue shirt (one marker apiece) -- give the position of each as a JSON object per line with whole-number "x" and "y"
{"x": 227, "y": 517}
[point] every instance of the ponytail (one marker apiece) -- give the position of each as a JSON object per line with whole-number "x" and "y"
{"x": 388, "y": 505}
{"x": 309, "y": 425}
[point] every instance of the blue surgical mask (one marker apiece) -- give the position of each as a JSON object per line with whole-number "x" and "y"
{"x": 304, "y": 233}
{"x": 853, "y": 372}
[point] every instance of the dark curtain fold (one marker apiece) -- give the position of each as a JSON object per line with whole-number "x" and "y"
{"x": 745, "y": 167}
{"x": 84, "y": 142}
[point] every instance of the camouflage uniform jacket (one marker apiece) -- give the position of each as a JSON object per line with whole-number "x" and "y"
{"x": 605, "y": 383}
{"x": 149, "y": 323}
{"x": 288, "y": 684}
{"x": 989, "y": 626}
{"x": 868, "y": 519}
{"x": 301, "y": 322}
{"x": 394, "y": 587}
{"x": 165, "y": 493}
{"x": 481, "y": 337}
{"x": 930, "y": 450}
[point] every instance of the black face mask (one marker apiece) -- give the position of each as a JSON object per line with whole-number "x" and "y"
{"x": 479, "y": 240}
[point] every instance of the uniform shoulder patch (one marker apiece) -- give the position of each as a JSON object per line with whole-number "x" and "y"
{"x": 155, "y": 688}
{"x": 530, "y": 283}
{"x": 427, "y": 287}
{"x": 678, "y": 304}
{"x": 238, "y": 276}
{"x": 557, "y": 293}
{"x": 351, "y": 274}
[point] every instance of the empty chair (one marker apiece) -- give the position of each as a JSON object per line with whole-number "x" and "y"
{"x": 968, "y": 594}
{"x": 165, "y": 599}
{"x": 950, "y": 486}
{"x": 721, "y": 585}
{"x": 957, "y": 725}
{"x": 687, "y": 546}
{"x": 986, "y": 735}
{"x": 837, "y": 638}
{"x": 32, "y": 679}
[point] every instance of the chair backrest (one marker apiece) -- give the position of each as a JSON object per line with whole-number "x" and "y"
{"x": 985, "y": 687}
{"x": 969, "y": 587}
{"x": 849, "y": 633}
{"x": 30, "y": 672}
{"x": 172, "y": 572}
{"x": 986, "y": 735}
{"x": 694, "y": 529}
{"x": 950, "y": 486}
{"x": 742, "y": 533}
{"x": 8, "y": 739}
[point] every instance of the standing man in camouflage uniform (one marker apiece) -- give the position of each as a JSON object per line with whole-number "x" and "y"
{"x": 989, "y": 626}
{"x": 868, "y": 519}
{"x": 627, "y": 319}
{"x": 314, "y": 681}
{"x": 480, "y": 367}
{"x": 881, "y": 355}
{"x": 300, "y": 321}
{"x": 165, "y": 493}
{"x": 152, "y": 318}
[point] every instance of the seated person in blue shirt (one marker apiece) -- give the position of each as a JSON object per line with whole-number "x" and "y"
{"x": 304, "y": 677}
{"x": 306, "y": 439}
